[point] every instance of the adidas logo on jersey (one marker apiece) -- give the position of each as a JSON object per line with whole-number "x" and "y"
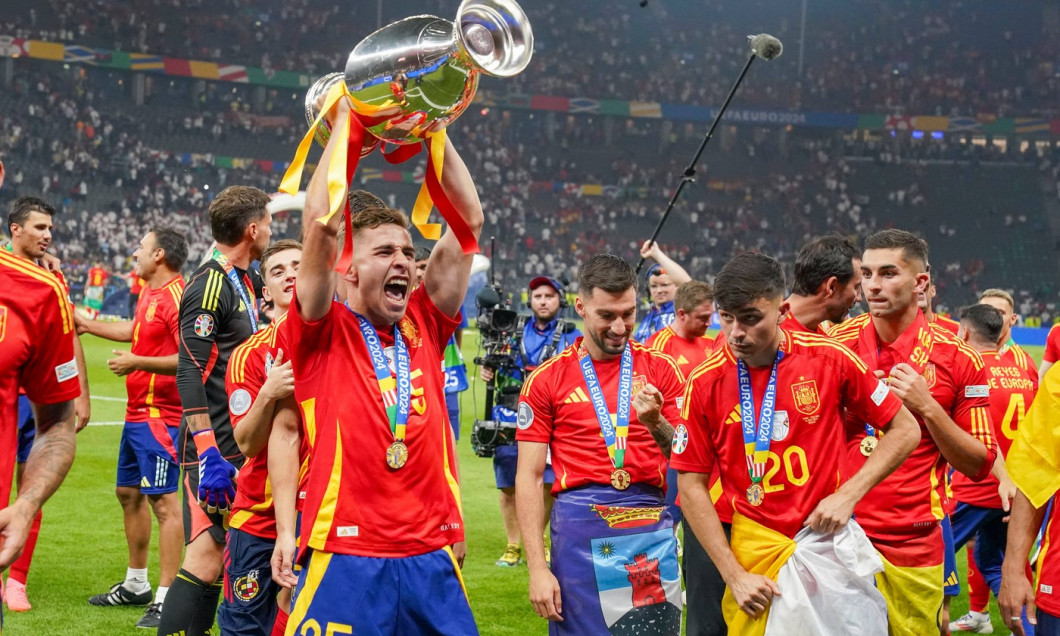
{"x": 576, "y": 396}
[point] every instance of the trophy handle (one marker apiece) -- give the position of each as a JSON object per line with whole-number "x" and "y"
{"x": 495, "y": 35}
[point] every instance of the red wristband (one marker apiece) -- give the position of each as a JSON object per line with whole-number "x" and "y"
{"x": 204, "y": 439}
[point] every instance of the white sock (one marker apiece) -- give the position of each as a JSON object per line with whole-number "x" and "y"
{"x": 160, "y": 595}
{"x": 136, "y": 580}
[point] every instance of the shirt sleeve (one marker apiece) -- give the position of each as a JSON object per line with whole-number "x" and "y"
{"x": 671, "y": 384}
{"x": 440, "y": 326}
{"x": 697, "y": 454}
{"x": 200, "y": 318}
{"x": 971, "y": 406}
{"x": 243, "y": 381}
{"x": 50, "y": 374}
{"x": 1052, "y": 345}
{"x": 535, "y": 418}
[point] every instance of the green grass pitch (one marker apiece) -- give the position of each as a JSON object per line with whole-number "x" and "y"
{"x": 82, "y": 550}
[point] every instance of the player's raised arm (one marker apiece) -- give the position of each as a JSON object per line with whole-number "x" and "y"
{"x": 316, "y": 285}
{"x": 449, "y": 268}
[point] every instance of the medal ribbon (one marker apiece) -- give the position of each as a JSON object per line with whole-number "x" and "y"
{"x": 396, "y": 392}
{"x": 756, "y": 446}
{"x": 615, "y": 432}
{"x": 246, "y": 292}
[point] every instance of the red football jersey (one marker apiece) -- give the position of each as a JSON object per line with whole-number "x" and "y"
{"x": 355, "y": 503}
{"x": 1048, "y": 583}
{"x": 1011, "y": 394}
{"x": 248, "y": 369}
{"x": 156, "y": 333}
{"x": 136, "y": 284}
{"x": 555, "y": 409}
{"x": 1052, "y": 345}
{"x": 688, "y": 354}
{"x": 909, "y": 501}
{"x": 946, "y": 323}
{"x": 36, "y": 348}
{"x": 96, "y": 277}
{"x": 1014, "y": 354}
{"x": 792, "y": 325}
{"x": 818, "y": 380}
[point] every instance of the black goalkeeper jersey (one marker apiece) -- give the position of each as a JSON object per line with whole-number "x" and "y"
{"x": 214, "y": 320}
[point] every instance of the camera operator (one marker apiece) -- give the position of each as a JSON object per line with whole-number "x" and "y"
{"x": 664, "y": 277}
{"x": 544, "y": 335}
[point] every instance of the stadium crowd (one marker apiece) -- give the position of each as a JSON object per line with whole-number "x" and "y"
{"x": 890, "y": 57}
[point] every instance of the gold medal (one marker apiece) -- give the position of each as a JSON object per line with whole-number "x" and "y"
{"x": 620, "y": 479}
{"x": 396, "y": 455}
{"x": 755, "y": 494}
{"x": 868, "y": 445}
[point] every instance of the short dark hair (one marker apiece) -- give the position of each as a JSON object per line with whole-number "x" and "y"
{"x": 913, "y": 248}
{"x": 607, "y": 272}
{"x": 422, "y": 253}
{"x": 233, "y": 210}
{"x": 693, "y": 294}
{"x": 22, "y": 207}
{"x": 821, "y": 259}
{"x": 276, "y": 248}
{"x": 174, "y": 244}
{"x": 746, "y": 278}
{"x": 984, "y": 321}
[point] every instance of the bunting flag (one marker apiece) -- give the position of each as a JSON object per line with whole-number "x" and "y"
{"x": 985, "y": 123}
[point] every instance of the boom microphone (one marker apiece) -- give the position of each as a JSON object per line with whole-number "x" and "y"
{"x": 766, "y": 46}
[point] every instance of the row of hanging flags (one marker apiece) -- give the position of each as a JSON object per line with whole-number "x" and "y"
{"x": 220, "y": 71}
{"x": 368, "y": 175}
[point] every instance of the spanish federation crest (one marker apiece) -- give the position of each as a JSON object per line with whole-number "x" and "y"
{"x": 410, "y": 333}
{"x": 247, "y": 587}
{"x": 639, "y": 382}
{"x": 929, "y": 374}
{"x": 151, "y": 308}
{"x": 807, "y": 400}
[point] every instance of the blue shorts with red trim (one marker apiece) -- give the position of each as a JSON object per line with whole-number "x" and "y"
{"x": 147, "y": 457}
{"x": 27, "y": 429}
{"x": 370, "y": 596}
{"x": 249, "y": 605}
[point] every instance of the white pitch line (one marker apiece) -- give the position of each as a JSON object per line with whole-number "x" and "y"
{"x": 91, "y": 423}
{"x": 107, "y": 398}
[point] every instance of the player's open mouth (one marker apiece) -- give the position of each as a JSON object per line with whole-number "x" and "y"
{"x": 396, "y": 289}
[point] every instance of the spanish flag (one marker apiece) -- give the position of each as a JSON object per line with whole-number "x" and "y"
{"x": 760, "y": 551}
{"x": 1033, "y": 462}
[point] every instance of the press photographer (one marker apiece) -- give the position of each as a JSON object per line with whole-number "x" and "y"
{"x": 514, "y": 347}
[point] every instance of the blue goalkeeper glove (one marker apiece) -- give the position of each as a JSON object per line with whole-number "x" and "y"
{"x": 216, "y": 489}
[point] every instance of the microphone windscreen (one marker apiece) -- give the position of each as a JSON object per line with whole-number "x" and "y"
{"x": 766, "y": 46}
{"x": 487, "y": 298}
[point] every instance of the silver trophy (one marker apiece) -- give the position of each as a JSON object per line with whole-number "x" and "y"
{"x": 419, "y": 74}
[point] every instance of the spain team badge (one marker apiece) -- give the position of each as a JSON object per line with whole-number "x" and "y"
{"x": 410, "y": 333}
{"x": 807, "y": 400}
{"x": 151, "y": 311}
{"x": 639, "y": 382}
{"x": 247, "y": 587}
{"x": 929, "y": 374}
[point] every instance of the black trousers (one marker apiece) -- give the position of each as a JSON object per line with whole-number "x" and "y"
{"x": 704, "y": 587}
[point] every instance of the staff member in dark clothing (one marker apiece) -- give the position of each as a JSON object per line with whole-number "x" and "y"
{"x": 218, "y": 312}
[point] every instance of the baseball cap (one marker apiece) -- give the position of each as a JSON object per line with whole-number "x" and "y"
{"x": 545, "y": 280}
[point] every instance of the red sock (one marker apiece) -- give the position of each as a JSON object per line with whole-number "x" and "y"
{"x": 978, "y": 591}
{"x": 20, "y": 568}
{"x": 280, "y": 626}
